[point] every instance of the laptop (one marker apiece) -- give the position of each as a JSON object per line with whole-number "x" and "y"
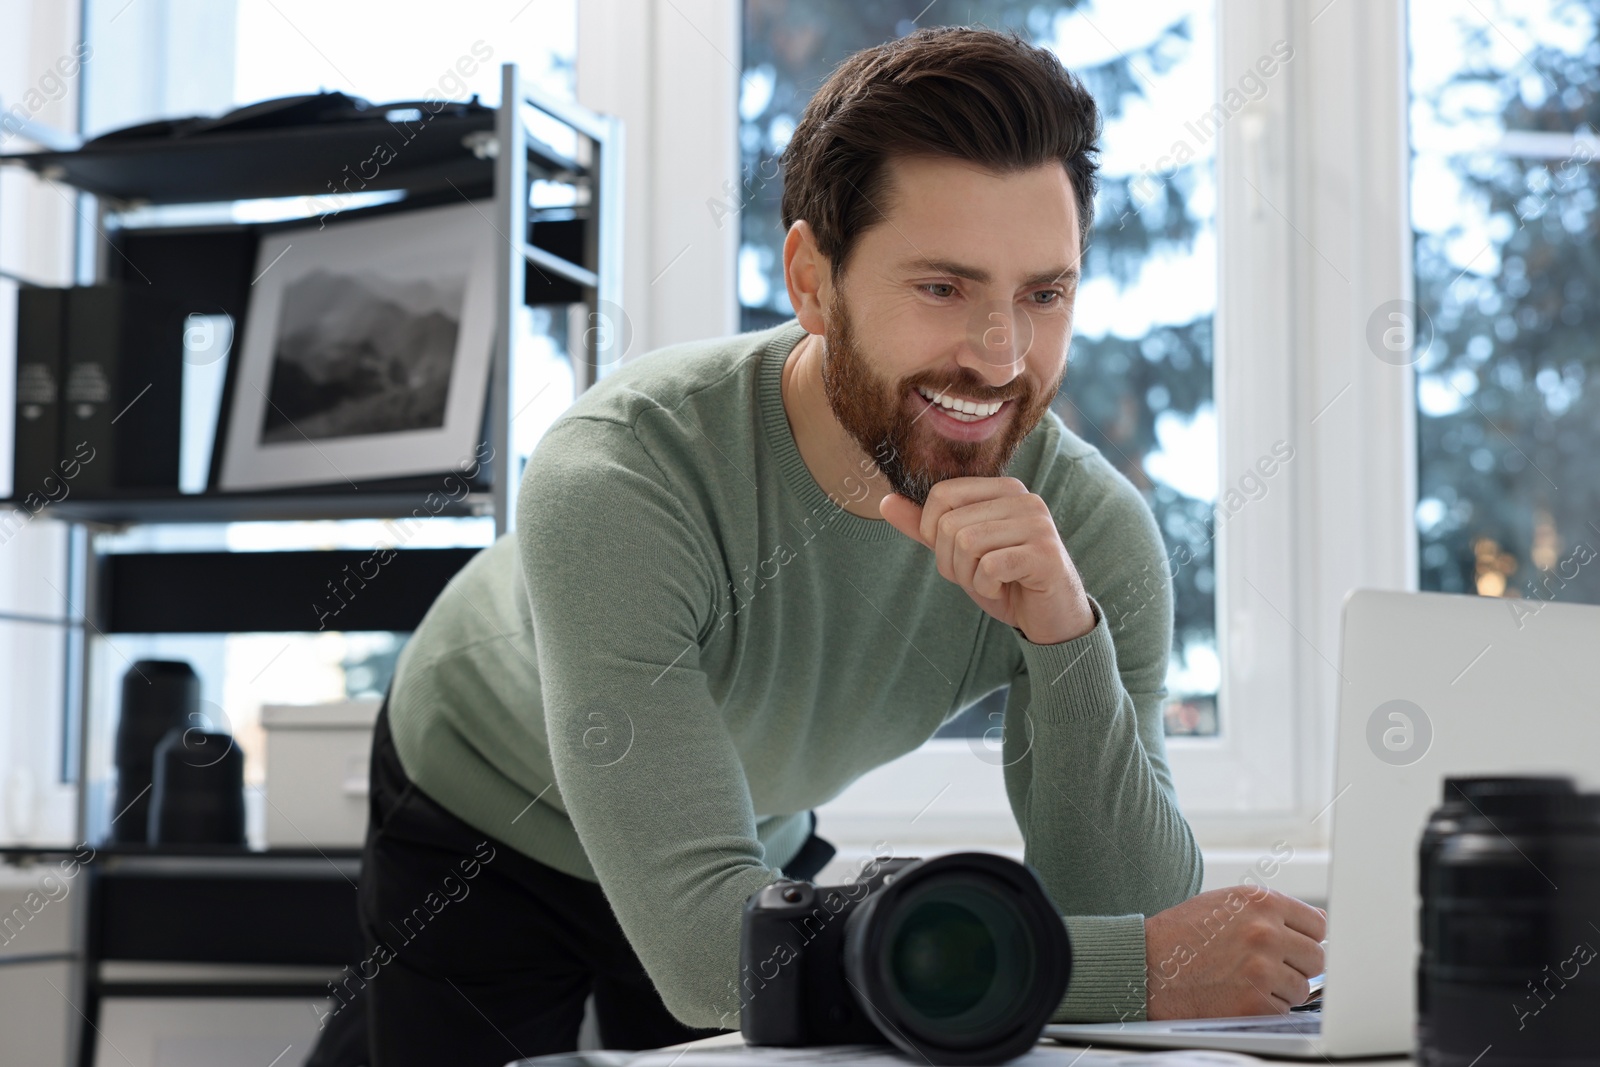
{"x": 1431, "y": 685}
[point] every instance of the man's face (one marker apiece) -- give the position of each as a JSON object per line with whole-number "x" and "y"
{"x": 964, "y": 291}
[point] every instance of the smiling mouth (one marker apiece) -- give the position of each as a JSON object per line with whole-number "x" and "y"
{"x": 959, "y": 409}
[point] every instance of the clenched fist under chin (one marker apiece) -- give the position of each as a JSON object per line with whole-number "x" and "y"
{"x": 1243, "y": 950}
{"x": 999, "y": 542}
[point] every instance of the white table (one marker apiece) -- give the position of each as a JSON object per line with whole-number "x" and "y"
{"x": 1071, "y": 1054}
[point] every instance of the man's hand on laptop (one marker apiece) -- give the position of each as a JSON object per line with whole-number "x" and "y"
{"x": 1242, "y": 950}
{"x": 999, "y": 542}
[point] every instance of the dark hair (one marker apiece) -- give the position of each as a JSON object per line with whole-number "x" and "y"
{"x": 957, "y": 91}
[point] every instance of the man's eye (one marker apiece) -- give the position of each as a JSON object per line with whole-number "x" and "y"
{"x": 1054, "y": 295}
{"x": 928, "y": 288}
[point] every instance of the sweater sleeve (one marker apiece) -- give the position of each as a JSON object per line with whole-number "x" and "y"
{"x": 1086, "y": 770}
{"x": 621, "y": 587}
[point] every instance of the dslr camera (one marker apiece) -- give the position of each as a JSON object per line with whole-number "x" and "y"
{"x": 959, "y": 959}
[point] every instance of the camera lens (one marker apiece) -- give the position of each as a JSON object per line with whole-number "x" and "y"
{"x": 1507, "y": 974}
{"x": 961, "y": 960}
{"x": 1463, "y": 798}
{"x": 960, "y": 956}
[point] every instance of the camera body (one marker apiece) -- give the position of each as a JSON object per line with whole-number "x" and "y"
{"x": 792, "y": 987}
{"x": 956, "y": 960}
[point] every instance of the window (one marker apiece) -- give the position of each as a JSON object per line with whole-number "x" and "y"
{"x": 1505, "y": 103}
{"x": 38, "y": 84}
{"x": 1139, "y": 383}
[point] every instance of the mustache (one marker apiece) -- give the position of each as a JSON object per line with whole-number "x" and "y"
{"x": 968, "y": 391}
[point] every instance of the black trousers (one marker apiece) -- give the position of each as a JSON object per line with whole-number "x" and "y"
{"x": 478, "y": 954}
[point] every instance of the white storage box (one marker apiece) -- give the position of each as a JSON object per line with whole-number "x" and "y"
{"x": 317, "y": 757}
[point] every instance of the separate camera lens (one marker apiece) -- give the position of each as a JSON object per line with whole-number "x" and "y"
{"x": 1506, "y": 975}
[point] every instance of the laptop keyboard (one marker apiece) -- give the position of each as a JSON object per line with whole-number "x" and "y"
{"x": 1309, "y": 1023}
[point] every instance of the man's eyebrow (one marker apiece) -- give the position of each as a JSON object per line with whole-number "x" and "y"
{"x": 1066, "y": 275}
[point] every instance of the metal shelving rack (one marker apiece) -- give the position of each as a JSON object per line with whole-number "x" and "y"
{"x": 492, "y": 154}
{"x": 600, "y": 279}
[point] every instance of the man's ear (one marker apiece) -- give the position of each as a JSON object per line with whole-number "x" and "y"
{"x": 808, "y": 275}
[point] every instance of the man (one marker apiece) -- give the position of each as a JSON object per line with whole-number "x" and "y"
{"x": 747, "y": 571}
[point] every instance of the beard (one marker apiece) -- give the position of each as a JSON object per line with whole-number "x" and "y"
{"x": 911, "y": 454}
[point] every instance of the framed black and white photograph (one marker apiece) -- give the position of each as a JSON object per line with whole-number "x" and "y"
{"x": 366, "y": 352}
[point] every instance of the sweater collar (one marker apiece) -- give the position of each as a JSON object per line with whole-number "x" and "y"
{"x": 780, "y": 438}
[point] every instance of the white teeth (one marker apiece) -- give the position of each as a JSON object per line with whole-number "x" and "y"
{"x": 968, "y": 407}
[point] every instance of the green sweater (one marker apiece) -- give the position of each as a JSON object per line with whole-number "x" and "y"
{"x": 686, "y": 644}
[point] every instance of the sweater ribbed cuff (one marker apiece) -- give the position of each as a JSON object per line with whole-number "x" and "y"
{"x": 1074, "y": 679}
{"x": 1108, "y": 970}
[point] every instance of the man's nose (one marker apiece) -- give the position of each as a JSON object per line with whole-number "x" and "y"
{"x": 997, "y": 343}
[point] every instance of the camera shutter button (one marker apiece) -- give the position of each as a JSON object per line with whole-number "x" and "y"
{"x": 792, "y": 894}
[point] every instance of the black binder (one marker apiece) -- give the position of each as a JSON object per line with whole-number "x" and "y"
{"x": 41, "y": 315}
{"x": 122, "y": 386}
